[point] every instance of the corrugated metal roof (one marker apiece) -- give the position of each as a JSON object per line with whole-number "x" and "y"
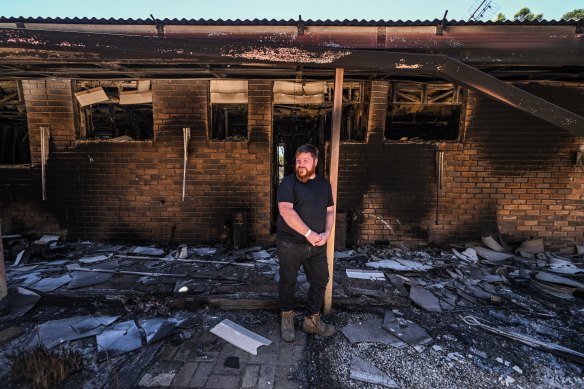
{"x": 281, "y": 22}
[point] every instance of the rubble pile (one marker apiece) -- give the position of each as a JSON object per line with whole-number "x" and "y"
{"x": 480, "y": 314}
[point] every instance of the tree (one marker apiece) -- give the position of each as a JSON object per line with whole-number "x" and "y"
{"x": 525, "y": 14}
{"x": 575, "y": 14}
{"x": 500, "y": 17}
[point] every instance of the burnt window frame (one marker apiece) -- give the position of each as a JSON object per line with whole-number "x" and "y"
{"x": 20, "y": 148}
{"x": 211, "y": 134}
{"x": 84, "y": 113}
{"x": 459, "y": 103}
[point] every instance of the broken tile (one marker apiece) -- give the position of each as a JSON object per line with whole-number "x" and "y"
{"x": 365, "y": 274}
{"x": 119, "y": 339}
{"x": 239, "y": 336}
{"x": 364, "y": 371}
{"x": 50, "y": 284}
{"x": 425, "y": 299}
{"x": 157, "y": 329}
{"x": 371, "y": 331}
{"x": 409, "y": 332}
{"x": 399, "y": 265}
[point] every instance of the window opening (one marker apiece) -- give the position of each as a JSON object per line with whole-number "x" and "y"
{"x": 229, "y": 110}
{"x": 115, "y": 110}
{"x": 14, "y": 140}
{"x": 423, "y": 111}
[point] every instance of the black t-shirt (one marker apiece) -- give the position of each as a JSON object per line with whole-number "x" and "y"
{"x": 310, "y": 200}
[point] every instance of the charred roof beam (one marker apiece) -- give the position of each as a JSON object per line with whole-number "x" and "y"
{"x": 114, "y": 47}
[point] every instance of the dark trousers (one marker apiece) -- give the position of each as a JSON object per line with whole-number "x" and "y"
{"x": 291, "y": 256}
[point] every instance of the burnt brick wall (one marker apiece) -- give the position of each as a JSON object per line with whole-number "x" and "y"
{"x": 133, "y": 191}
{"x": 512, "y": 174}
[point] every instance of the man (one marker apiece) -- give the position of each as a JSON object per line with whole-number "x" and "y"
{"x": 305, "y": 202}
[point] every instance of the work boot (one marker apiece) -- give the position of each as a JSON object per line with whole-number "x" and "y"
{"x": 313, "y": 325}
{"x": 287, "y": 326}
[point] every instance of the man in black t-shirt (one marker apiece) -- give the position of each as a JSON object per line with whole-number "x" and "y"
{"x": 305, "y": 202}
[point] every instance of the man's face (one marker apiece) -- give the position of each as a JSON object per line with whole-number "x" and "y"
{"x": 305, "y": 166}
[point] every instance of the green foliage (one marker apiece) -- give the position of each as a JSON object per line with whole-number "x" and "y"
{"x": 500, "y": 17}
{"x": 575, "y": 14}
{"x": 525, "y": 14}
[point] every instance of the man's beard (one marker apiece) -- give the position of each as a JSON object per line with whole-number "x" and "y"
{"x": 304, "y": 177}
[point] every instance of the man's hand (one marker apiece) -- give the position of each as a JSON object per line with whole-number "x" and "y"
{"x": 324, "y": 237}
{"x": 314, "y": 238}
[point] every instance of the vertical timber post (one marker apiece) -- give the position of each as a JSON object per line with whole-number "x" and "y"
{"x": 333, "y": 178}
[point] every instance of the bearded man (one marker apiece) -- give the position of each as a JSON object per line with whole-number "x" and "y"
{"x": 305, "y": 202}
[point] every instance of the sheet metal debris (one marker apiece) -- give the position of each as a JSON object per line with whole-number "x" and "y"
{"x": 492, "y": 243}
{"x": 21, "y": 301}
{"x": 157, "y": 329}
{"x": 82, "y": 279}
{"x": 51, "y": 283}
{"x": 406, "y": 330}
{"x": 371, "y": 331}
{"x": 425, "y": 299}
{"x": 119, "y": 339}
{"x": 364, "y": 371}
{"x": 528, "y": 340}
{"x": 239, "y": 336}
{"x": 492, "y": 255}
{"x": 468, "y": 255}
{"x": 56, "y": 332}
{"x": 141, "y": 250}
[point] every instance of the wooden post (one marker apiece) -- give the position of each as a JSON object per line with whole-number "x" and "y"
{"x": 333, "y": 178}
{"x": 3, "y": 284}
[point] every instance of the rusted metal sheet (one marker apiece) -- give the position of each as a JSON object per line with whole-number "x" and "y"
{"x": 85, "y": 46}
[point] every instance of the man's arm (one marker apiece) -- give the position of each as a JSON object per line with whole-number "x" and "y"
{"x": 330, "y": 212}
{"x": 293, "y": 220}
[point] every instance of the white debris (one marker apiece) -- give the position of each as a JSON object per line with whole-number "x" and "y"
{"x": 239, "y": 336}
{"x": 436, "y": 347}
{"x": 399, "y": 265}
{"x": 518, "y": 369}
{"x": 365, "y": 274}
{"x": 93, "y": 259}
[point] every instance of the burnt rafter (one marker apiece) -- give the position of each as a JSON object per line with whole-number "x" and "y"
{"x": 57, "y": 46}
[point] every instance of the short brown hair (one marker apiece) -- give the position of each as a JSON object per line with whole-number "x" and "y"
{"x": 307, "y": 148}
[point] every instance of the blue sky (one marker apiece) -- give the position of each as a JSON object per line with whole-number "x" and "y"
{"x": 250, "y": 9}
